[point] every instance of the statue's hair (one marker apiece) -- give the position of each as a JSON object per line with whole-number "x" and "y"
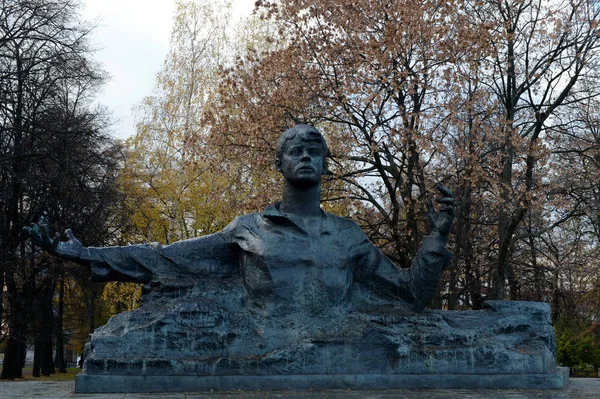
{"x": 312, "y": 132}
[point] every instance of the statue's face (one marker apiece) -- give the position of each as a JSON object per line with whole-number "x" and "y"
{"x": 302, "y": 161}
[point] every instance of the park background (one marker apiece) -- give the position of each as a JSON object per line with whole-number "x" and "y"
{"x": 498, "y": 100}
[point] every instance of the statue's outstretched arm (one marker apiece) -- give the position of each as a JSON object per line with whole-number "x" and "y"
{"x": 213, "y": 254}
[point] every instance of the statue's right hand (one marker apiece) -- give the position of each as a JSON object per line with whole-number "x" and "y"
{"x": 40, "y": 237}
{"x": 72, "y": 248}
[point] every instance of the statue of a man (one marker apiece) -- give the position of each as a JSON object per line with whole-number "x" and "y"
{"x": 293, "y": 257}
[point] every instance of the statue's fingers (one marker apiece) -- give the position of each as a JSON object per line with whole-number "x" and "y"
{"x": 444, "y": 190}
{"x": 445, "y": 200}
{"x": 55, "y": 241}
{"x": 429, "y": 203}
{"x": 447, "y": 209}
{"x": 47, "y": 240}
{"x": 69, "y": 234}
{"x": 432, "y": 216}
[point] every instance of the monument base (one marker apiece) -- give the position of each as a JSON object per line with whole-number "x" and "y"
{"x": 197, "y": 346}
{"x": 121, "y": 383}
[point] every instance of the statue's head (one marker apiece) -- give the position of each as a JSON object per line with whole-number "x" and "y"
{"x": 301, "y": 153}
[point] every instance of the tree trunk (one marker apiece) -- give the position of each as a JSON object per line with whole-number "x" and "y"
{"x": 537, "y": 270}
{"x": 513, "y": 286}
{"x": 510, "y": 98}
{"x": 452, "y": 280}
{"x": 461, "y": 221}
{"x": 14, "y": 359}
{"x": 436, "y": 302}
{"x": 19, "y": 311}
{"x": 35, "y": 372}
{"x": 504, "y": 236}
{"x": 16, "y": 347}
{"x": 92, "y": 310}
{"x": 47, "y": 362}
{"x": 555, "y": 296}
{"x": 60, "y": 346}
{"x": 47, "y": 328}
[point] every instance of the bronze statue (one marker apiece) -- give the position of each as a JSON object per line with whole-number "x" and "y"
{"x": 293, "y": 257}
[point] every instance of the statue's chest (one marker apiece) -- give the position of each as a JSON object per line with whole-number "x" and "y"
{"x": 290, "y": 265}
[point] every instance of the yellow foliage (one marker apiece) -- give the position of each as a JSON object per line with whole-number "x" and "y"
{"x": 121, "y": 296}
{"x": 176, "y": 187}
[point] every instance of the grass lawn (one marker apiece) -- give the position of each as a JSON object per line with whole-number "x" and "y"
{"x": 68, "y": 376}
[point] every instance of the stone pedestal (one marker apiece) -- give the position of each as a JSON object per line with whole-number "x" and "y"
{"x": 202, "y": 344}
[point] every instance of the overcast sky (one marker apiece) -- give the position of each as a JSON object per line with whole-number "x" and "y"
{"x": 132, "y": 37}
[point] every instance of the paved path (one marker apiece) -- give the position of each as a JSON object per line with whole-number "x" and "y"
{"x": 580, "y": 388}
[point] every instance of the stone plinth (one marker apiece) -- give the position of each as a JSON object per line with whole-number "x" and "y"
{"x": 202, "y": 344}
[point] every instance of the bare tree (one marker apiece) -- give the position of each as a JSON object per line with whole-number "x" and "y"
{"x": 540, "y": 51}
{"x": 46, "y": 77}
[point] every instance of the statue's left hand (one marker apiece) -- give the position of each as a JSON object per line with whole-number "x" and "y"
{"x": 440, "y": 222}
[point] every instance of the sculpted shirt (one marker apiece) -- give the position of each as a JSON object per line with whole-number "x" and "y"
{"x": 284, "y": 268}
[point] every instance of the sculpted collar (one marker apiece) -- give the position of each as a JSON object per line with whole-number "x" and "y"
{"x": 273, "y": 213}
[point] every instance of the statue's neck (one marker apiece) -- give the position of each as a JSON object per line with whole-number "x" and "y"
{"x": 304, "y": 201}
